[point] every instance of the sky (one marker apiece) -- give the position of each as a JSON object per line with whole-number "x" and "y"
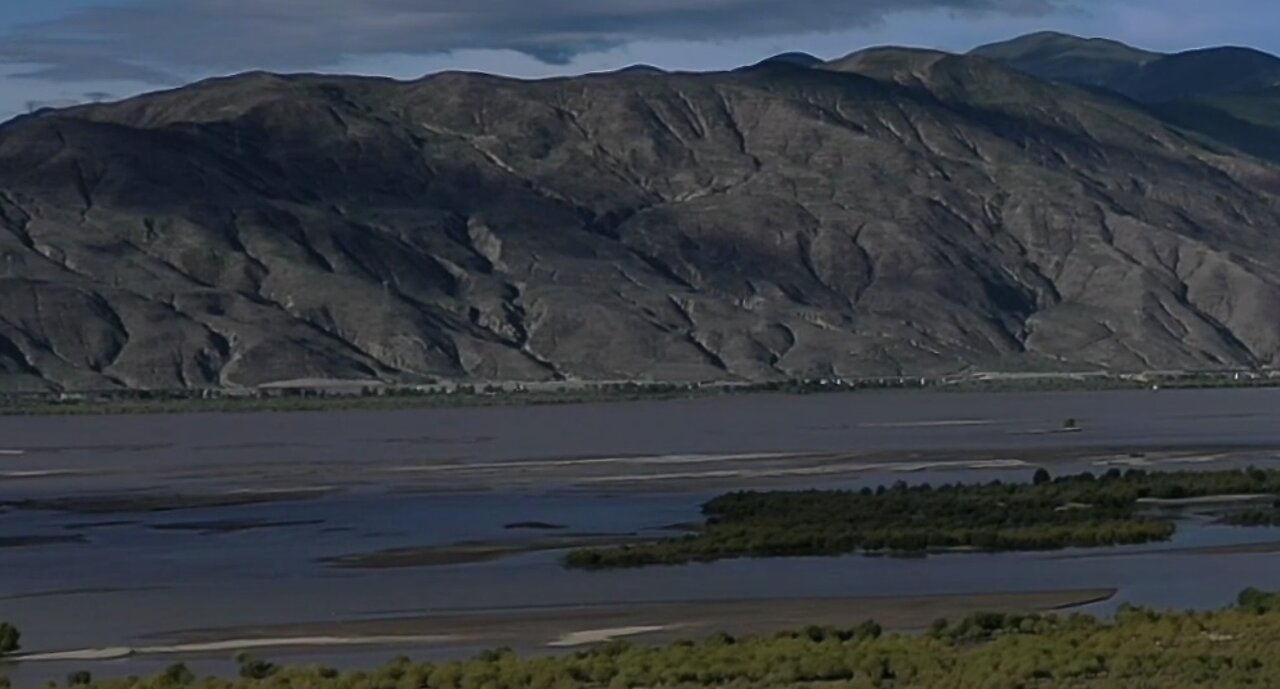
{"x": 62, "y": 52}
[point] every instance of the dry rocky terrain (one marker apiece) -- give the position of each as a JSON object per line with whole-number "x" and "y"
{"x": 892, "y": 212}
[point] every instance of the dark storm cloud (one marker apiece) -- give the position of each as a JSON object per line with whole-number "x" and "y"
{"x": 162, "y": 40}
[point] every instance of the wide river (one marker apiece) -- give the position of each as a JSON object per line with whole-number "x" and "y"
{"x": 87, "y": 576}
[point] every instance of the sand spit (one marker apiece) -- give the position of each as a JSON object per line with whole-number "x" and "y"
{"x": 803, "y": 471}
{"x": 230, "y": 645}
{"x": 1263, "y": 548}
{"x": 37, "y": 473}
{"x": 591, "y": 461}
{"x": 932, "y": 424}
{"x": 1158, "y": 460}
{"x": 652, "y": 622}
{"x": 596, "y": 636}
{"x": 1208, "y": 500}
{"x": 667, "y": 473}
{"x": 475, "y": 551}
{"x": 123, "y": 503}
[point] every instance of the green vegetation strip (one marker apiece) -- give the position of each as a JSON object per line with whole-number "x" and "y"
{"x": 1236, "y": 647}
{"x": 1080, "y": 511}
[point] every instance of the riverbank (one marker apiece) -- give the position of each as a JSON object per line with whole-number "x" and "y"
{"x": 1226, "y": 648}
{"x": 569, "y": 627}
{"x": 373, "y": 395}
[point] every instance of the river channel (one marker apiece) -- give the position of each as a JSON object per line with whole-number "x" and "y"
{"x": 111, "y": 540}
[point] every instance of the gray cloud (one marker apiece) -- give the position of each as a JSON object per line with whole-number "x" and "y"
{"x": 162, "y": 41}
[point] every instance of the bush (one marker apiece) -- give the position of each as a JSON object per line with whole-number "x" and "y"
{"x": 10, "y": 639}
{"x": 1259, "y": 602}
{"x": 254, "y": 668}
{"x": 179, "y": 674}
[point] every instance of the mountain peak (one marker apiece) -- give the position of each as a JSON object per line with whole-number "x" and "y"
{"x": 1046, "y": 43}
{"x": 1202, "y": 72}
{"x": 1138, "y": 74}
{"x": 639, "y": 69}
{"x": 885, "y": 61}
{"x": 1063, "y": 57}
{"x": 788, "y": 60}
{"x": 796, "y": 58}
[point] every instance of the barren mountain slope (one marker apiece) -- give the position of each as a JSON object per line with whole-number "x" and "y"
{"x": 895, "y": 212}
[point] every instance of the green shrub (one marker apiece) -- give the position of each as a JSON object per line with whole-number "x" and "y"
{"x": 179, "y": 675}
{"x": 10, "y": 639}
{"x": 254, "y": 668}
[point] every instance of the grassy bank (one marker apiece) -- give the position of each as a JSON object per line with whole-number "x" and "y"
{"x": 1235, "y": 647}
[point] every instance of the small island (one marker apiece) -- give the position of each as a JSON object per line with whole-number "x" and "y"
{"x": 1080, "y": 511}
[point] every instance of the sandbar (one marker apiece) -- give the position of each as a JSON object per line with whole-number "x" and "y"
{"x": 473, "y": 551}
{"x": 651, "y": 622}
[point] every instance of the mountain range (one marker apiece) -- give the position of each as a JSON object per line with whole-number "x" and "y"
{"x": 1051, "y": 203}
{"x": 1229, "y": 94}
